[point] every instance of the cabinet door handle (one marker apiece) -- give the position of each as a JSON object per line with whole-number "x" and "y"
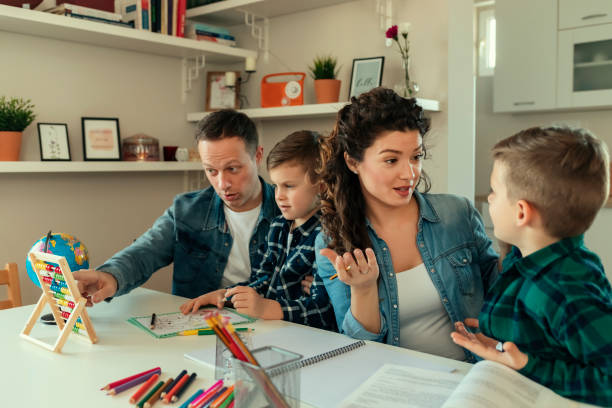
{"x": 524, "y": 103}
{"x": 590, "y": 16}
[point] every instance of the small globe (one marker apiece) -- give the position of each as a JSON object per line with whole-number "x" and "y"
{"x": 64, "y": 245}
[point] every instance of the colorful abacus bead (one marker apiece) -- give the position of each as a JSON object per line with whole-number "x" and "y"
{"x": 49, "y": 267}
{"x": 65, "y": 315}
{"x": 71, "y": 305}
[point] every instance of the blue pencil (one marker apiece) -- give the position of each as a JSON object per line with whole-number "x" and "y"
{"x": 194, "y": 396}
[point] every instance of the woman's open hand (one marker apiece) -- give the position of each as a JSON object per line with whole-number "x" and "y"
{"x": 356, "y": 269}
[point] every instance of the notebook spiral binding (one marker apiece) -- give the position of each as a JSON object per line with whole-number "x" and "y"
{"x": 315, "y": 359}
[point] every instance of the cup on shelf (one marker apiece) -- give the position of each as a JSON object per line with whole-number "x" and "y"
{"x": 170, "y": 153}
{"x": 182, "y": 154}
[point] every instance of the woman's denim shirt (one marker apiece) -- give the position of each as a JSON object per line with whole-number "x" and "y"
{"x": 458, "y": 256}
{"x": 193, "y": 234}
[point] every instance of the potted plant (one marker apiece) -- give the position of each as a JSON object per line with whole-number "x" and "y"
{"x": 16, "y": 114}
{"x": 324, "y": 72}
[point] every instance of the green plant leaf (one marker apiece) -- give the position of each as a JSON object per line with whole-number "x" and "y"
{"x": 16, "y": 114}
{"x": 324, "y": 67}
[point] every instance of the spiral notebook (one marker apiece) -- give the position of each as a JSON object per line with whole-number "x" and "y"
{"x": 333, "y": 364}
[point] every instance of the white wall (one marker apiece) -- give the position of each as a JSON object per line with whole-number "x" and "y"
{"x": 492, "y": 127}
{"x": 67, "y": 80}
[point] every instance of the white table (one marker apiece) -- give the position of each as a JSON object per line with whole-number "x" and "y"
{"x": 34, "y": 377}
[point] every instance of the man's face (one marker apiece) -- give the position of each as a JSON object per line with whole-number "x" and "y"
{"x": 232, "y": 171}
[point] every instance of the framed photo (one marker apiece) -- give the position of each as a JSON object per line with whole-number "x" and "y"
{"x": 101, "y": 140}
{"x": 365, "y": 75}
{"x": 54, "y": 145}
{"x": 219, "y": 96}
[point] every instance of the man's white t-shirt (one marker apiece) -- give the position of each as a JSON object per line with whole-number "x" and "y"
{"x": 241, "y": 226}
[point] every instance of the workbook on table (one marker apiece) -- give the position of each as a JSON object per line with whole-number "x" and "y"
{"x": 172, "y": 324}
{"x": 333, "y": 364}
{"x": 486, "y": 385}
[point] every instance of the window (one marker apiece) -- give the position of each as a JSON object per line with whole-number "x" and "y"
{"x": 486, "y": 41}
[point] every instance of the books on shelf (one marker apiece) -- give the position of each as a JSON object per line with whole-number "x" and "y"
{"x": 214, "y": 39}
{"x": 100, "y": 20}
{"x": 487, "y": 384}
{"x": 67, "y": 8}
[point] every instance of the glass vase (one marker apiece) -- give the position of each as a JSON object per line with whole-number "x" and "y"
{"x": 406, "y": 88}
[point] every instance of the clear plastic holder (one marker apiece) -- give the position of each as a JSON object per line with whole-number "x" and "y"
{"x": 224, "y": 357}
{"x": 281, "y": 367}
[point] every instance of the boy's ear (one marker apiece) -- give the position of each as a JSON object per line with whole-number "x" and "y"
{"x": 525, "y": 213}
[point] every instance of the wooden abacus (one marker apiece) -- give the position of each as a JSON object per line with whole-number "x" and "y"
{"x": 61, "y": 293}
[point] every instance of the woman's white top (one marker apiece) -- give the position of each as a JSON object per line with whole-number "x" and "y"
{"x": 424, "y": 323}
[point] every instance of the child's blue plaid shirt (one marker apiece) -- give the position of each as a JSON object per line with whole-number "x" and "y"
{"x": 288, "y": 259}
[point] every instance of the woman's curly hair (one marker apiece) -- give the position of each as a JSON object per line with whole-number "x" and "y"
{"x": 358, "y": 124}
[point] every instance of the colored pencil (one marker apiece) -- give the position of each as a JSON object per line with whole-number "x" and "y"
{"x": 178, "y": 390}
{"x": 132, "y": 383}
{"x": 173, "y": 383}
{"x": 152, "y": 325}
{"x": 334, "y": 276}
{"x": 188, "y": 332}
{"x": 211, "y": 390}
{"x": 126, "y": 379}
{"x": 143, "y": 389}
{"x": 221, "y": 398}
{"x": 155, "y": 397}
{"x": 228, "y": 401}
{"x": 193, "y": 397}
{"x": 149, "y": 394}
{"x": 207, "y": 401}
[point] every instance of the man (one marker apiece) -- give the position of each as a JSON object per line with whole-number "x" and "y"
{"x": 213, "y": 236}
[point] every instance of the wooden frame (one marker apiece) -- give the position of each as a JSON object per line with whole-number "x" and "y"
{"x": 219, "y": 96}
{"x": 101, "y": 139}
{"x": 53, "y": 141}
{"x": 366, "y": 74}
{"x": 49, "y": 296}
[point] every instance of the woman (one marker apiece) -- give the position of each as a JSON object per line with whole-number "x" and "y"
{"x": 427, "y": 261}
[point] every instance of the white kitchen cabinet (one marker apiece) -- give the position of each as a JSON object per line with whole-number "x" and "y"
{"x": 585, "y": 67}
{"x": 526, "y": 55}
{"x": 581, "y": 13}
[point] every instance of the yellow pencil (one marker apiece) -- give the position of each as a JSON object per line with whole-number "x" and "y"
{"x": 188, "y": 333}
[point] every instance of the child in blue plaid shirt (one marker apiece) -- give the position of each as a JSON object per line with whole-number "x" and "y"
{"x": 274, "y": 290}
{"x": 552, "y": 302}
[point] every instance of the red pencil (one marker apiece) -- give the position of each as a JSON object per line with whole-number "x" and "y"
{"x": 174, "y": 389}
{"x": 126, "y": 379}
{"x": 143, "y": 388}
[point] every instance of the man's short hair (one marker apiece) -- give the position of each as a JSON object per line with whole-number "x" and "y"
{"x": 228, "y": 123}
{"x": 564, "y": 173}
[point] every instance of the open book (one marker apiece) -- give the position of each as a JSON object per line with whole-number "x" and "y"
{"x": 333, "y": 364}
{"x": 486, "y": 385}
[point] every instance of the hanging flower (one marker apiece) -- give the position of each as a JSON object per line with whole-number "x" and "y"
{"x": 393, "y": 35}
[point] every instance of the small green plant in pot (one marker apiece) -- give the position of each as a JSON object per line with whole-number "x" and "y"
{"x": 324, "y": 70}
{"x": 16, "y": 114}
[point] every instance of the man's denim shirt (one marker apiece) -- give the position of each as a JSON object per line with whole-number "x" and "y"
{"x": 458, "y": 256}
{"x": 193, "y": 234}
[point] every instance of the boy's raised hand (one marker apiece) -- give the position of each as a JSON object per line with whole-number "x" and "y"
{"x": 486, "y": 347}
{"x": 246, "y": 300}
{"x": 211, "y": 298}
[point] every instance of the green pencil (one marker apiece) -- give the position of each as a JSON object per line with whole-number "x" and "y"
{"x": 146, "y": 397}
{"x": 206, "y": 332}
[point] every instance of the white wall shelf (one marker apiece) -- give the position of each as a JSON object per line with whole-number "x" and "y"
{"x": 96, "y": 167}
{"x": 304, "y": 111}
{"x": 37, "y": 23}
{"x": 230, "y": 12}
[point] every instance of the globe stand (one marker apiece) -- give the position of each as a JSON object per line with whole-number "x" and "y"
{"x": 61, "y": 293}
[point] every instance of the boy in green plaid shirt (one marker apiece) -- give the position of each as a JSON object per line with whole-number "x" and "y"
{"x": 552, "y": 303}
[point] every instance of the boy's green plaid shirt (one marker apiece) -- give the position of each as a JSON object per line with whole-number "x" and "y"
{"x": 556, "y": 305}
